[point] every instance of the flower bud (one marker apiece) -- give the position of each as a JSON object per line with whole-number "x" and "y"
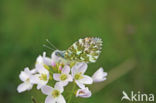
{"x": 99, "y": 75}
{"x": 84, "y": 93}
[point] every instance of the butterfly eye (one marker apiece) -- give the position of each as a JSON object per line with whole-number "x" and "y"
{"x": 57, "y": 53}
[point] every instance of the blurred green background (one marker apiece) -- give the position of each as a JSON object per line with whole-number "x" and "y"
{"x": 127, "y": 27}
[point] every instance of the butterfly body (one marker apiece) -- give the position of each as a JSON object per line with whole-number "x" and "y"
{"x": 84, "y": 50}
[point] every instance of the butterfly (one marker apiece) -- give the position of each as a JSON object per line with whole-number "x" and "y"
{"x": 84, "y": 50}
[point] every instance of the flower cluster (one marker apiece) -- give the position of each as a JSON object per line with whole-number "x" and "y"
{"x": 61, "y": 73}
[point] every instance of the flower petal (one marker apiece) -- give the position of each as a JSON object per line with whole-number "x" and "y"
{"x": 63, "y": 83}
{"x": 27, "y": 71}
{"x": 46, "y": 90}
{"x": 39, "y": 86}
{"x": 50, "y": 99}
{"x": 66, "y": 69}
{"x": 59, "y": 87}
{"x": 56, "y": 76}
{"x": 46, "y": 60}
{"x": 79, "y": 67}
{"x": 60, "y": 99}
{"x": 23, "y": 87}
{"x": 34, "y": 78}
{"x": 74, "y": 69}
{"x": 33, "y": 71}
{"x": 40, "y": 68}
{"x": 23, "y": 76}
{"x": 39, "y": 59}
{"x": 70, "y": 78}
{"x": 86, "y": 80}
{"x": 41, "y": 83}
{"x": 82, "y": 67}
{"x": 81, "y": 85}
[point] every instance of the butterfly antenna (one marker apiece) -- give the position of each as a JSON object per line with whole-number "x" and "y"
{"x": 51, "y": 44}
{"x": 48, "y": 47}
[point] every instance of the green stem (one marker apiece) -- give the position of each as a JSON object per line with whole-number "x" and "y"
{"x": 33, "y": 100}
{"x": 70, "y": 98}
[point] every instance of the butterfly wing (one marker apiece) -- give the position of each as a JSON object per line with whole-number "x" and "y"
{"x": 84, "y": 50}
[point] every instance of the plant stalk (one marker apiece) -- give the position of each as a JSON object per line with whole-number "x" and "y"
{"x": 70, "y": 98}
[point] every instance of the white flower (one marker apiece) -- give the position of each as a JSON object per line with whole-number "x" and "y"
{"x": 99, "y": 75}
{"x": 42, "y": 77}
{"x": 25, "y": 77}
{"x": 84, "y": 93}
{"x": 48, "y": 61}
{"x": 64, "y": 77}
{"x": 78, "y": 71}
{"x": 53, "y": 94}
{"x": 44, "y": 60}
